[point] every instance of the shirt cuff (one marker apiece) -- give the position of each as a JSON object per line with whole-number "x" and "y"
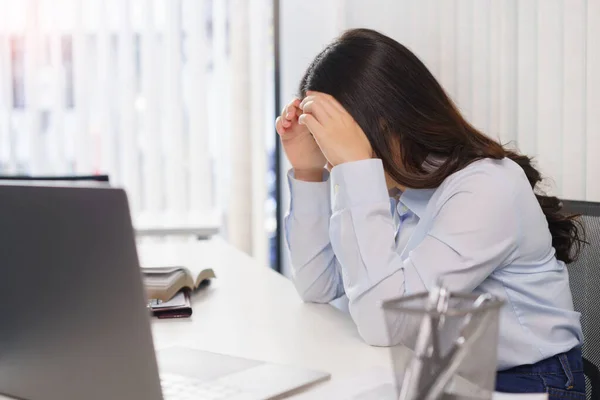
{"x": 358, "y": 183}
{"x": 309, "y": 198}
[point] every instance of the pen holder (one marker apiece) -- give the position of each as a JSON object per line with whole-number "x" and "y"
{"x": 453, "y": 342}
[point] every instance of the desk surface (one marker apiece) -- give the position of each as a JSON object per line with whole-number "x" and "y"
{"x": 253, "y": 312}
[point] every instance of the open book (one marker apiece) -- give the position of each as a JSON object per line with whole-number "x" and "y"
{"x": 163, "y": 283}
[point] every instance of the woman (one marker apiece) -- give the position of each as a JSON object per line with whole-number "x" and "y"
{"x": 462, "y": 207}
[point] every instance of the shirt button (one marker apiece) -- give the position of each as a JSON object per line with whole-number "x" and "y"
{"x": 336, "y": 189}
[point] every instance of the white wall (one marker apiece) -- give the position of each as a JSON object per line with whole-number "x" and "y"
{"x": 526, "y": 71}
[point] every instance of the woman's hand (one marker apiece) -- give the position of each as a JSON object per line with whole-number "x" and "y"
{"x": 340, "y": 138}
{"x": 300, "y": 147}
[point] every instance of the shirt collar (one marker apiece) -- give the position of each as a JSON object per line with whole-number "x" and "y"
{"x": 416, "y": 200}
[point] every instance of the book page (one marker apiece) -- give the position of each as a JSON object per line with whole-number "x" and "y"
{"x": 186, "y": 256}
{"x": 158, "y": 271}
{"x": 162, "y": 280}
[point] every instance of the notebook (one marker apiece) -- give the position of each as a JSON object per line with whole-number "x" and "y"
{"x": 179, "y": 306}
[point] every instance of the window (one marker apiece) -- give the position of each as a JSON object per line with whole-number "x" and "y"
{"x": 140, "y": 90}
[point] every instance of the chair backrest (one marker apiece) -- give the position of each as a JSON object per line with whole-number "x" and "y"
{"x": 94, "y": 178}
{"x": 584, "y": 276}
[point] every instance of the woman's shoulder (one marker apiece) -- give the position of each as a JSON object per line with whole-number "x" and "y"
{"x": 487, "y": 178}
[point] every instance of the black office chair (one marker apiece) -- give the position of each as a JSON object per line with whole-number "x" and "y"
{"x": 584, "y": 277}
{"x": 93, "y": 178}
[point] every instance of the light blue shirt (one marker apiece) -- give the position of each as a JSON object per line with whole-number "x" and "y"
{"x": 482, "y": 230}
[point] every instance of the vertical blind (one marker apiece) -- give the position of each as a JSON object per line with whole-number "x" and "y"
{"x": 142, "y": 90}
{"x": 524, "y": 71}
{"x": 94, "y": 86}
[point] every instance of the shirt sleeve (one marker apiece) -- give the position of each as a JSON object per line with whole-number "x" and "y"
{"x": 362, "y": 235}
{"x": 470, "y": 237}
{"x": 315, "y": 268}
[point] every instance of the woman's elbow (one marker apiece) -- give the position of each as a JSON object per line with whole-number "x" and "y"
{"x": 375, "y": 337}
{"x": 323, "y": 290}
{"x": 308, "y": 295}
{"x": 371, "y": 324}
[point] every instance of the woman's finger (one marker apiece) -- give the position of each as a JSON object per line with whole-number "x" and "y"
{"x": 314, "y": 105}
{"x": 291, "y": 106}
{"x": 306, "y": 99}
{"x": 279, "y": 126}
{"x": 313, "y": 125}
{"x": 314, "y": 108}
{"x": 315, "y": 128}
{"x": 309, "y": 107}
{"x": 284, "y": 109}
{"x": 290, "y": 110}
{"x": 328, "y": 109}
{"x": 329, "y": 101}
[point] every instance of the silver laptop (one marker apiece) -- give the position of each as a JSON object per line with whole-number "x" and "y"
{"x": 73, "y": 319}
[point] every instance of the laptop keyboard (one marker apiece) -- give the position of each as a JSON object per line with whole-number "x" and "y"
{"x": 177, "y": 387}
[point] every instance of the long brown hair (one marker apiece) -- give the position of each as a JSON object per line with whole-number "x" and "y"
{"x": 407, "y": 116}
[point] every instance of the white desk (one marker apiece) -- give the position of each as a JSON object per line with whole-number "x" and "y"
{"x": 251, "y": 311}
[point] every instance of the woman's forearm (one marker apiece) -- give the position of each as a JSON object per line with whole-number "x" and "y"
{"x": 316, "y": 272}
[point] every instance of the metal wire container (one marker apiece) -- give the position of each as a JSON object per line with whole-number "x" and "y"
{"x": 454, "y": 339}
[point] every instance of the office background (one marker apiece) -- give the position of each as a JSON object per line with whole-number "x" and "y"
{"x": 175, "y": 99}
{"x": 523, "y": 71}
